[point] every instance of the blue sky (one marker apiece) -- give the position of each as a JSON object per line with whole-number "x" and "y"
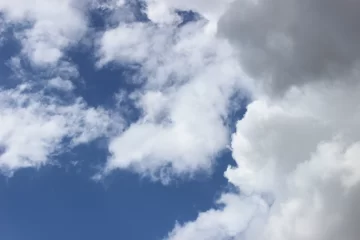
{"x": 179, "y": 119}
{"x": 63, "y": 203}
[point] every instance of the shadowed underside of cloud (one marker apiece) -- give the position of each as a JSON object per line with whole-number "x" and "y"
{"x": 290, "y": 43}
{"x": 297, "y": 148}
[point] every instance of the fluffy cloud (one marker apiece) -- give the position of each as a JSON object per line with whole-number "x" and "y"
{"x": 299, "y": 156}
{"x": 34, "y": 127}
{"x": 189, "y": 79}
{"x": 305, "y": 155}
{"x": 297, "y": 147}
{"x": 50, "y": 26}
{"x": 221, "y": 223}
{"x": 294, "y": 42}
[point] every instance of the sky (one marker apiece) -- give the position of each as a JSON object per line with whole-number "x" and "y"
{"x": 179, "y": 119}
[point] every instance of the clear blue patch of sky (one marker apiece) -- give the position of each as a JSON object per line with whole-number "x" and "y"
{"x": 64, "y": 203}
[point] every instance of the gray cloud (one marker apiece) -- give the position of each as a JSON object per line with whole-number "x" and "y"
{"x": 299, "y": 140}
{"x": 288, "y": 42}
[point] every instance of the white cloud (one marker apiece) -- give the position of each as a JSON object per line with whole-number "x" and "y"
{"x": 297, "y": 147}
{"x": 163, "y": 11}
{"x": 109, "y": 4}
{"x": 221, "y": 223}
{"x": 54, "y": 25}
{"x": 34, "y": 126}
{"x": 61, "y": 84}
{"x": 116, "y": 11}
{"x": 126, "y": 43}
{"x": 190, "y": 77}
{"x": 303, "y": 152}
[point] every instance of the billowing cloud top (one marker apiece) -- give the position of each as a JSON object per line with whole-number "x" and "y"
{"x": 289, "y": 43}
{"x": 295, "y": 62}
{"x": 297, "y": 146}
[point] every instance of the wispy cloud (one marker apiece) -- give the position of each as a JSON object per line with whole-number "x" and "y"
{"x": 34, "y": 126}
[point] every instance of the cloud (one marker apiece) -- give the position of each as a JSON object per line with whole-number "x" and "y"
{"x": 299, "y": 155}
{"x": 220, "y": 223}
{"x": 35, "y": 127}
{"x": 297, "y": 147}
{"x": 163, "y": 11}
{"x": 61, "y": 84}
{"x": 189, "y": 79}
{"x": 51, "y": 26}
{"x": 127, "y": 44}
{"x": 288, "y": 43}
{"x": 38, "y": 121}
{"x": 116, "y": 11}
{"x": 177, "y": 63}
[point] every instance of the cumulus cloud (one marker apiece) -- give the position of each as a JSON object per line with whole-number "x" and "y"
{"x": 299, "y": 156}
{"x": 34, "y": 127}
{"x": 49, "y": 26}
{"x": 288, "y": 43}
{"x": 223, "y": 222}
{"x": 305, "y": 155}
{"x": 189, "y": 79}
{"x": 297, "y": 147}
